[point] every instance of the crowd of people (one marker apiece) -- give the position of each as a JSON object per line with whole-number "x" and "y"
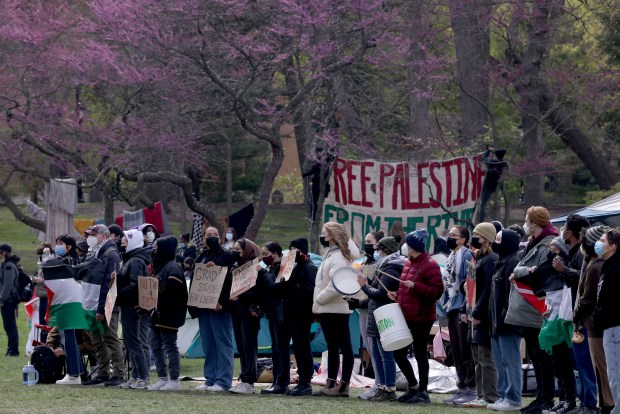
{"x": 522, "y": 276}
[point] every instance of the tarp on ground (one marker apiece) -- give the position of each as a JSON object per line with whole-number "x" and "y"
{"x": 604, "y": 212}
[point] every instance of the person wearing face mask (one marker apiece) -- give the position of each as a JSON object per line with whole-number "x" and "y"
{"x": 150, "y": 233}
{"x": 44, "y": 251}
{"x": 332, "y": 310}
{"x": 606, "y": 317}
{"x": 271, "y": 254}
{"x": 185, "y": 249}
{"x": 541, "y": 232}
{"x": 456, "y": 268}
{"x": 505, "y": 337}
{"x": 215, "y": 325}
{"x": 582, "y": 318}
{"x": 398, "y": 233}
{"x": 390, "y": 263}
{"x": 484, "y": 366}
{"x": 421, "y": 286}
{"x": 135, "y": 326}
{"x": 230, "y": 238}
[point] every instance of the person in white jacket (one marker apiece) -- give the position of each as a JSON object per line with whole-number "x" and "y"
{"x": 332, "y": 310}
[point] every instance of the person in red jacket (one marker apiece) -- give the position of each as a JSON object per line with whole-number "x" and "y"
{"x": 421, "y": 286}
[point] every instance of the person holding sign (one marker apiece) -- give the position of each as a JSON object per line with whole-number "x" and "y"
{"x": 169, "y": 315}
{"x": 333, "y": 310}
{"x": 215, "y": 325}
{"x": 246, "y": 311}
{"x": 135, "y": 326}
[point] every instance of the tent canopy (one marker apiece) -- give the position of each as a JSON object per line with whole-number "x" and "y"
{"x": 604, "y": 212}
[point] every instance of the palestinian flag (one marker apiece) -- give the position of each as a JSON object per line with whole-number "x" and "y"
{"x": 528, "y": 294}
{"x": 64, "y": 296}
{"x": 91, "y": 275}
{"x": 557, "y": 326}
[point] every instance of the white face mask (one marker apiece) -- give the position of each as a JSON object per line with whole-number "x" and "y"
{"x": 229, "y": 236}
{"x": 150, "y": 236}
{"x": 92, "y": 241}
{"x": 526, "y": 229}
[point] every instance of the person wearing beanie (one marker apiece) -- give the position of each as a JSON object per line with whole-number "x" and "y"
{"x": 417, "y": 294}
{"x": 484, "y": 366}
{"x": 505, "y": 337}
{"x": 135, "y": 326}
{"x": 390, "y": 263}
{"x": 538, "y": 227}
{"x": 297, "y": 308}
{"x": 582, "y": 315}
{"x": 498, "y": 225}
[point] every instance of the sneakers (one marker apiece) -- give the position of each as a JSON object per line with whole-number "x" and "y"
{"x": 138, "y": 384}
{"x": 537, "y": 407}
{"x": 562, "y": 407}
{"x": 96, "y": 382}
{"x": 300, "y": 389}
{"x": 465, "y": 398}
{"x": 158, "y": 385}
{"x": 504, "y": 405}
{"x": 203, "y": 387}
{"x": 243, "y": 388}
{"x": 477, "y": 403}
{"x": 114, "y": 382}
{"x": 275, "y": 389}
{"x": 127, "y": 384}
{"x": 407, "y": 395}
{"x": 456, "y": 396}
{"x": 172, "y": 385}
{"x": 384, "y": 395}
{"x": 421, "y": 397}
{"x": 69, "y": 380}
{"x": 369, "y": 394}
{"x": 215, "y": 388}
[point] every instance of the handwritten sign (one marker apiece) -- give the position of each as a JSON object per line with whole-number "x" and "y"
{"x": 110, "y": 300}
{"x": 286, "y": 265}
{"x": 206, "y": 286}
{"x": 244, "y": 278}
{"x": 148, "y": 289}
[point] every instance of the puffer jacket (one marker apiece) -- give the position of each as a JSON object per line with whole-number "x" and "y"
{"x": 326, "y": 299}
{"x": 418, "y": 303}
{"x": 377, "y": 295}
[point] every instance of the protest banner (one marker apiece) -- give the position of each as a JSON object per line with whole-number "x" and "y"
{"x": 368, "y": 195}
{"x": 148, "y": 289}
{"x": 244, "y": 278}
{"x": 206, "y": 286}
{"x": 110, "y": 299}
{"x": 287, "y": 264}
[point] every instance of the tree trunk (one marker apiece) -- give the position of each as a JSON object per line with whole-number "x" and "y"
{"x": 419, "y": 120}
{"x": 19, "y": 215}
{"x": 108, "y": 209}
{"x": 470, "y": 23}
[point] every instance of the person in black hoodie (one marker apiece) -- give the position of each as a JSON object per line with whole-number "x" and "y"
{"x": 135, "y": 326}
{"x": 169, "y": 315}
{"x": 216, "y": 331}
{"x": 9, "y": 298}
{"x": 505, "y": 338}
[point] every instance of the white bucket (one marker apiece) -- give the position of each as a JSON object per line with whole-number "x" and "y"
{"x": 392, "y": 327}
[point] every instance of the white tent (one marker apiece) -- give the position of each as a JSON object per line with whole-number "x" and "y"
{"x": 604, "y": 212}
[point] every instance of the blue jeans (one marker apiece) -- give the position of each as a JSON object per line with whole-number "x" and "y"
{"x": 133, "y": 336}
{"x": 611, "y": 344}
{"x": 216, "y": 334}
{"x": 385, "y": 367}
{"x": 586, "y": 382}
{"x": 164, "y": 344}
{"x": 72, "y": 351}
{"x": 507, "y": 356}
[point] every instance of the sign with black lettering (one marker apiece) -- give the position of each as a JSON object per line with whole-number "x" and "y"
{"x": 206, "y": 286}
{"x": 148, "y": 289}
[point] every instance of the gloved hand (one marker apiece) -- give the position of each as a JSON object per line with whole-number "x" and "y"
{"x": 353, "y": 303}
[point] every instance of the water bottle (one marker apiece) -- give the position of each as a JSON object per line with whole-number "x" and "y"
{"x": 30, "y": 375}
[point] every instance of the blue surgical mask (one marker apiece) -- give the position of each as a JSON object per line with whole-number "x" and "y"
{"x": 60, "y": 250}
{"x": 376, "y": 255}
{"x": 598, "y": 248}
{"x": 181, "y": 245}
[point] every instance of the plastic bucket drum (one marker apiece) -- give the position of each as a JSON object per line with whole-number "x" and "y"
{"x": 392, "y": 327}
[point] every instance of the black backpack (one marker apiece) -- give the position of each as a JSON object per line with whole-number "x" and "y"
{"x": 25, "y": 287}
{"x": 50, "y": 367}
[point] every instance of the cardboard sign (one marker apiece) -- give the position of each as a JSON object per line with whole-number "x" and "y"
{"x": 110, "y": 300}
{"x": 148, "y": 289}
{"x": 287, "y": 264}
{"x": 206, "y": 286}
{"x": 244, "y": 278}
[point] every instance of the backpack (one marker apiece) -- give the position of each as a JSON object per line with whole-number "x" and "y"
{"x": 25, "y": 287}
{"x": 50, "y": 367}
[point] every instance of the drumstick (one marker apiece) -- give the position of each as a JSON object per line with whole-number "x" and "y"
{"x": 389, "y": 275}
{"x": 380, "y": 282}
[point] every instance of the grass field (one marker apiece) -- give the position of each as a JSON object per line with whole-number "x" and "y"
{"x": 282, "y": 225}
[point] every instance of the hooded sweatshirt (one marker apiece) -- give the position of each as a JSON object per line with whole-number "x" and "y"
{"x": 135, "y": 263}
{"x": 172, "y": 296}
{"x": 8, "y": 280}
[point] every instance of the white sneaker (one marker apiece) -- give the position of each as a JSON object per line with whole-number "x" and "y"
{"x": 243, "y": 388}
{"x": 127, "y": 384}
{"x": 69, "y": 380}
{"x": 158, "y": 385}
{"x": 215, "y": 388}
{"x": 172, "y": 385}
{"x": 203, "y": 387}
{"x": 505, "y": 406}
{"x": 496, "y": 403}
{"x": 139, "y": 384}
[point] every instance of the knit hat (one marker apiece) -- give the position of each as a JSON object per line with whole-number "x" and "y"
{"x": 388, "y": 245}
{"x": 498, "y": 225}
{"x": 487, "y": 231}
{"x": 5, "y": 248}
{"x": 539, "y": 215}
{"x": 416, "y": 240}
{"x": 135, "y": 239}
{"x": 593, "y": 234}
{"x": 300, "y": 244}
{"x": 560, "y": 244}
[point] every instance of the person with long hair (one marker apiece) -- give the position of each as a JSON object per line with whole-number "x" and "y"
{"x": 332, "y": 310}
